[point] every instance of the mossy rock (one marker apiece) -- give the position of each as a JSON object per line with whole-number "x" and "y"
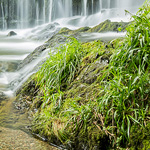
{"x": 102, "y": 27}
{"x": 109, "y": 26}
{"x": 140, "y": 138}
{"x": 67, "y": 31}
{"x": 80, "y": 30}
{"x": 64, "y": 31}
{"x": 53, "y": 122}
{"x": 91, "y": 139}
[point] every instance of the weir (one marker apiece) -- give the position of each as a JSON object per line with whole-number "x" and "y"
{"x": 29, "y": 13}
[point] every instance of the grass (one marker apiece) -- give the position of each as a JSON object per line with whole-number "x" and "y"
{"x": 120, "y": 102}
{"x": 126, "y": 97}
{"x": 60, "y": 68}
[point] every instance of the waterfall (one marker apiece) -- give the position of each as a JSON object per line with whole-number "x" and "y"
{"x": 92, "y": 6}
{"x": 100, "y": 3}
{"x": 29, "y": 13}
{"x": 109, "y": 4}
{"x": 68, "y": 8}
{"x": 37, "y": 14}
{"x": 4, "y": 25}
{"x": 84, "y": 7}
{"x": 50, "y": 10}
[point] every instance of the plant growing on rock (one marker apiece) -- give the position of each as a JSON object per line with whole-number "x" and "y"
{"x": 125, "y": 99}
{"x": 118, "y": 96}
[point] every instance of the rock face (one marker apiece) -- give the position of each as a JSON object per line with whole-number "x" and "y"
{"x": 11, "y": 33}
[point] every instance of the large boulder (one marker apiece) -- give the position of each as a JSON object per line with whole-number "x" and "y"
{"x": 11, "y": 33}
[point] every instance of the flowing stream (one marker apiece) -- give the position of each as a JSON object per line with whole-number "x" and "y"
{"x": 13, "y": 122}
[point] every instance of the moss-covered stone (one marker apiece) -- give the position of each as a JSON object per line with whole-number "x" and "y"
{"x": 105, "y": 26}
{"x": 140, "y": 138}
{"x": 109, "y": 26}
{"x": 80, "y": 30}
{"x": 55, "y": 124}
{"x": 64, "y": 31}
{"x": 67, "y": 31}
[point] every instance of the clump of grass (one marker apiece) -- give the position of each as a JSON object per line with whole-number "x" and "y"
{"x": 127, "y": 81}
{"x": 62, "y": 116}
{"x": 60, "y": 68}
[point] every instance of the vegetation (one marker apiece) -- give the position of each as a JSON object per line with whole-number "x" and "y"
{"x": 127, "y": 80}
{"x": 96, "y": 96}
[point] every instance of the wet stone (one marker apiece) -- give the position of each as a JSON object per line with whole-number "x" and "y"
{"x": 11, "y": 33}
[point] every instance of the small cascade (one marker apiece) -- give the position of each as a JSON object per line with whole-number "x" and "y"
{"x": 30, "y": 13}
{"x": 68, "y": 8}
{"x": 92, "y": 6}
{"x": 109, "y": 5}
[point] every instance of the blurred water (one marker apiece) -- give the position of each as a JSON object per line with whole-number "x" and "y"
{"x": 12, "y": 51}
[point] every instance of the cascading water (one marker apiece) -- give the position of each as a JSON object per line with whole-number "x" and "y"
{"x": 29, "y": 13}
{"x": 3, "y": 20}
{"x": 85, "y": 7}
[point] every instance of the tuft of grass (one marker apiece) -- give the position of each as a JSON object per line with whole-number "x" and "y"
{"x": 127, "y": 81}
{"x": 60, "y": 68}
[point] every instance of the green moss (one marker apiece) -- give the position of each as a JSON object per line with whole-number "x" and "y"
{"x": 109, "y": 26}
{"x": 80, "y": 30}
{"x": 64, "y": 31}
{"x": 140, "y": 138}
{"x": 67, "y": 31}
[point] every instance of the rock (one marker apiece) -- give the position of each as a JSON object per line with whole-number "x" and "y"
{"x": 64, "y": 31}
{"x": 107, "y": 26}
{"x": 11, "y": 33}
{"x": 44, "y": 32}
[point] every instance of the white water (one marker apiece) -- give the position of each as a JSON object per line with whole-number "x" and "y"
{"x": 12, "y": 51}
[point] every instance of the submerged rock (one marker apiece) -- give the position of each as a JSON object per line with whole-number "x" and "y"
{"x": 8, "y": 66}
{"x": 11, "y": 33}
